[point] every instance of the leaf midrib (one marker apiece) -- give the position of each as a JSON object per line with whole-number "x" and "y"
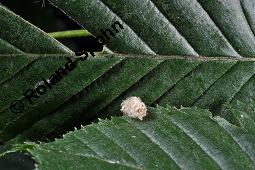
{"x": 149, "y": 56}
{"x": 160, "y": 58}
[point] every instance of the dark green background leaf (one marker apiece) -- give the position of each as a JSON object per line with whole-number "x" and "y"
{"x": 17, "y": 36}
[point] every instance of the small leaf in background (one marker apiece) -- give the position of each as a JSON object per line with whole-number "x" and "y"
{"x": 20, "y": 35}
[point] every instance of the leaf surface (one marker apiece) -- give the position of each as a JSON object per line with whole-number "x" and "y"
{"x": 97, "y": 86}
{"x": 168, "y": 138}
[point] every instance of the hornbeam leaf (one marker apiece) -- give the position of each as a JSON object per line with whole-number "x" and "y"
{"x": 155, "y": 31}
{"x": 169, "y": 138}
{"x": 98, "y": 85}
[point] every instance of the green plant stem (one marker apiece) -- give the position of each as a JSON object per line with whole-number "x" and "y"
{"x": 70, "y": 34}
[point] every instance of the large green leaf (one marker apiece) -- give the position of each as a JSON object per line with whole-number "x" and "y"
{"x": 98, "y": 85}
{"x": 174, "y": 138}
{"x": 169, "y": 138}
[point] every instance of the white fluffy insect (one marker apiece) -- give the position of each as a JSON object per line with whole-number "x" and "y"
{"x": 134, "y": 107}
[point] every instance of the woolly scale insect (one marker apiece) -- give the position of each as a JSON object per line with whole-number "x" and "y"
{"x": 134, "y": 107}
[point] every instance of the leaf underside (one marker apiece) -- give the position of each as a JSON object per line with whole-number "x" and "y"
{"x": 97, "y": 86}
